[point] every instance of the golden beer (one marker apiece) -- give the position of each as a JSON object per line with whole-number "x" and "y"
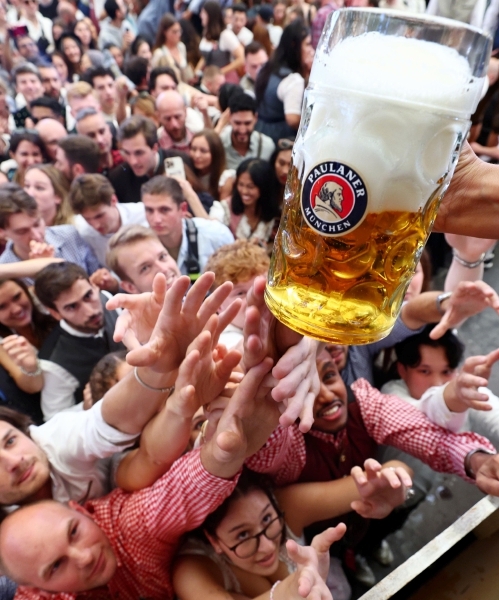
{"x": 373, "y": 156}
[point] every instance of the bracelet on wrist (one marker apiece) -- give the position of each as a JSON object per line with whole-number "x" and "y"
{"x": 166, "y": 390}
{"x": 37, "y": 371}
{"x": 467, "y": 461}
{"x": 272, "y": 589}
{"x": 466, "y": 263}
{"x": 440, "y": 298}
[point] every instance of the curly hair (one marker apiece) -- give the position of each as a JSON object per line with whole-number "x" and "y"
{"x": 103, "y": 375}
{"x": 238, "y": 262}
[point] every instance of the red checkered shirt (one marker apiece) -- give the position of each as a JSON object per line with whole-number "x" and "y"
{"x": 388, "y": 420}
{"x": 145, "y": 528}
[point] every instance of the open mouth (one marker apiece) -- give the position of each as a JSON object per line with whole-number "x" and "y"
{"x": 332, "y": 411}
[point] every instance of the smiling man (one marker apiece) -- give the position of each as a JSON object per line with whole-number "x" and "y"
{"x": 82, "y": 337}
{"x": 93, "y": 197}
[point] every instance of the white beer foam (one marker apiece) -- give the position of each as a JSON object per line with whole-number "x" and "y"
{"x": 392, "y": 109}
{"x": 400, "y": 68}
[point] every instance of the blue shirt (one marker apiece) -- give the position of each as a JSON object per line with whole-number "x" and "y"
{"x": 68, "y": 245}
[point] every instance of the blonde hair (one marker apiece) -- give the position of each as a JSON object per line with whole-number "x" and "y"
{"x": 238, "y": 262}
{"x": 79, "y": 90}
{"x": 130, "y": 234}
{"x": 64, "y": 214}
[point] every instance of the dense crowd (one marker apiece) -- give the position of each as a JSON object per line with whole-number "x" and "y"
{"x": 162, "y": 434}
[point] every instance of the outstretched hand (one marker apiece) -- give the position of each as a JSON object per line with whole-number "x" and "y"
{"x": 295, "y": 356}
{"x": 468, "y": 299}
{"x": 381, "y": 489}
{"x": 166, "y": 323}
{"x": 475, "y": 373}
{"x": 321, "y": 544}
{"x": 309, "y": 580}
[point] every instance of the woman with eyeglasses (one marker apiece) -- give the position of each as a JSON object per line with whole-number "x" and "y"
{"x": 239, "y": 550}
{"x": 26, "y": 149}
{"x": 280, "y": 83}
{"x": 50, "y": 189}
{"x": 39, "y": 27}
{"x": 252, "y": 210}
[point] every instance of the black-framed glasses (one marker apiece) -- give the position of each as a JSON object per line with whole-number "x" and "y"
{"x": 285, "y": 144}
{"x": 249, "y": 547}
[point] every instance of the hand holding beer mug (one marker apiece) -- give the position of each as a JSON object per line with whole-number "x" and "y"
{"x": 384, "y": 117}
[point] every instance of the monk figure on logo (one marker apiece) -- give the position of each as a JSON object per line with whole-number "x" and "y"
{"x": 328, "y": 202}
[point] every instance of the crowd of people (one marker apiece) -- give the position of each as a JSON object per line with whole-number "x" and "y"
{"x": 162, "y": 434}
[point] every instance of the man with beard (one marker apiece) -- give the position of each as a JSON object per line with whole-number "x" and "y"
{"x": 91, "y": 122}
{"x": 240, "y": 140}
{"x": 82, "y": 337}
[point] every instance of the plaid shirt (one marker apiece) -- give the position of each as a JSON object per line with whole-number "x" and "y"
{"x": 388, "y": 420}
{"x": 320, "y": 20}
{"x": 145, "y": 528}
{"x": 68, "y": 244}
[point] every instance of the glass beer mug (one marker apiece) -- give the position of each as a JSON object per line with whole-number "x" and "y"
{"x": 383, "y": 120}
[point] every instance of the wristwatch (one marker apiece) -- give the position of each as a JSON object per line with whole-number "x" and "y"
{"x": 467, "y": 461}
{"x": 440, "y": 298}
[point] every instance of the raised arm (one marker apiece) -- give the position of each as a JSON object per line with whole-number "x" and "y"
{"x": 167, "y": 325}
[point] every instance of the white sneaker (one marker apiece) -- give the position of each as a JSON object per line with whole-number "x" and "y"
{"x": 384, "y": 554}
{"x": 363, "y": 572}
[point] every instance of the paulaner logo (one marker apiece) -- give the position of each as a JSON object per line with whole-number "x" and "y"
{"x": 334, "y": 198}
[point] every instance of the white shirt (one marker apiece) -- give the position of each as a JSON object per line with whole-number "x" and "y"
{"x": 432, "y": 404}
{"x": 245, "y": 36}
{"x": 130, "y": 213}
{"x": 231, "y": 336}
{"x": 74, "y": 443}
{"x": 211, "y": 235}
{"x": 228, "y": 42}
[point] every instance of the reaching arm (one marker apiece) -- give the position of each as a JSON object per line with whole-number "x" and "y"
{"x": 16, "y": 353}
{"x": 466, "y": 252}
{"x": 26, "y": 268}
{"x": 168, "y": 325}
{"x": 471, "y": 204}
{"x": 166, "y": 436}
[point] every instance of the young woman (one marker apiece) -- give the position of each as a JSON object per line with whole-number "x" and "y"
{"x": 59, "y": 62}
{"x": 84, "y": 30}
{"x": 208, "y": 156}
{"x": 220, "y": 46}
{"x": 169, "y": 50}
{"x": 22, "y": 329}
{"x": 191, "y": 40}
{"x": 281, "y": 82}
{"x": 251, "y": 212}
{"x": 239, "y": 551}
{"x": 49, "y": 188}
{"x": 26, "y": 149}
{"x": 72, "y": 52}
{"x": 141, "y": 47}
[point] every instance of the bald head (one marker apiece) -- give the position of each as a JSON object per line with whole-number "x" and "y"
{"x": 56, "y": 548}
{"x": 51, "y": 131}
{"x": 171, "y": 111}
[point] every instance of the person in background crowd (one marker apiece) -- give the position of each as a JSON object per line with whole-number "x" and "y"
{"x": 28, "y": 237}
{"x": 219, "y": 45}
{"x": 189, "y": 241}
{"x": 39, "y": 27}
{"x": 115, "y": 29}
{"x": 59, "y": 62}
{"x": 136, "y": 255}
{"x": 26, "y": 149}
{"x": 172, "y": 114}
{"x": 208, "y": 157}
{"x": 240, "y": 140}
{"x": 318, "y": 22}
{"x": 144, "y": 158}
{"x": 238, "y": 24}
{"x": 80, "y": 95}
{"x": 281, "y": 162}
{"x": 49, "y": 188}
{"x": 77, "y": 154}
{"x": 93, "y": 197}
{"x": 28, "y": 84}
{"x": 251, "y": 212}
{"x": 254, "y": 59}
{"x": 170, "y": 49}
{"x": 72, "y": 52}
{"x": 140, "y": 47}
{"x": 46, "y": 108}
{"x": 110, "y": 93}
{"x": 137, "y": 70}
{"x": 92, "y": 124}
{"x": 82, "y": 337}
{"x": 50, "y": 132}
{"x": 51, "y": 81}
{"x": 281, "y": 83}
{"x": 84, "y": 30}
